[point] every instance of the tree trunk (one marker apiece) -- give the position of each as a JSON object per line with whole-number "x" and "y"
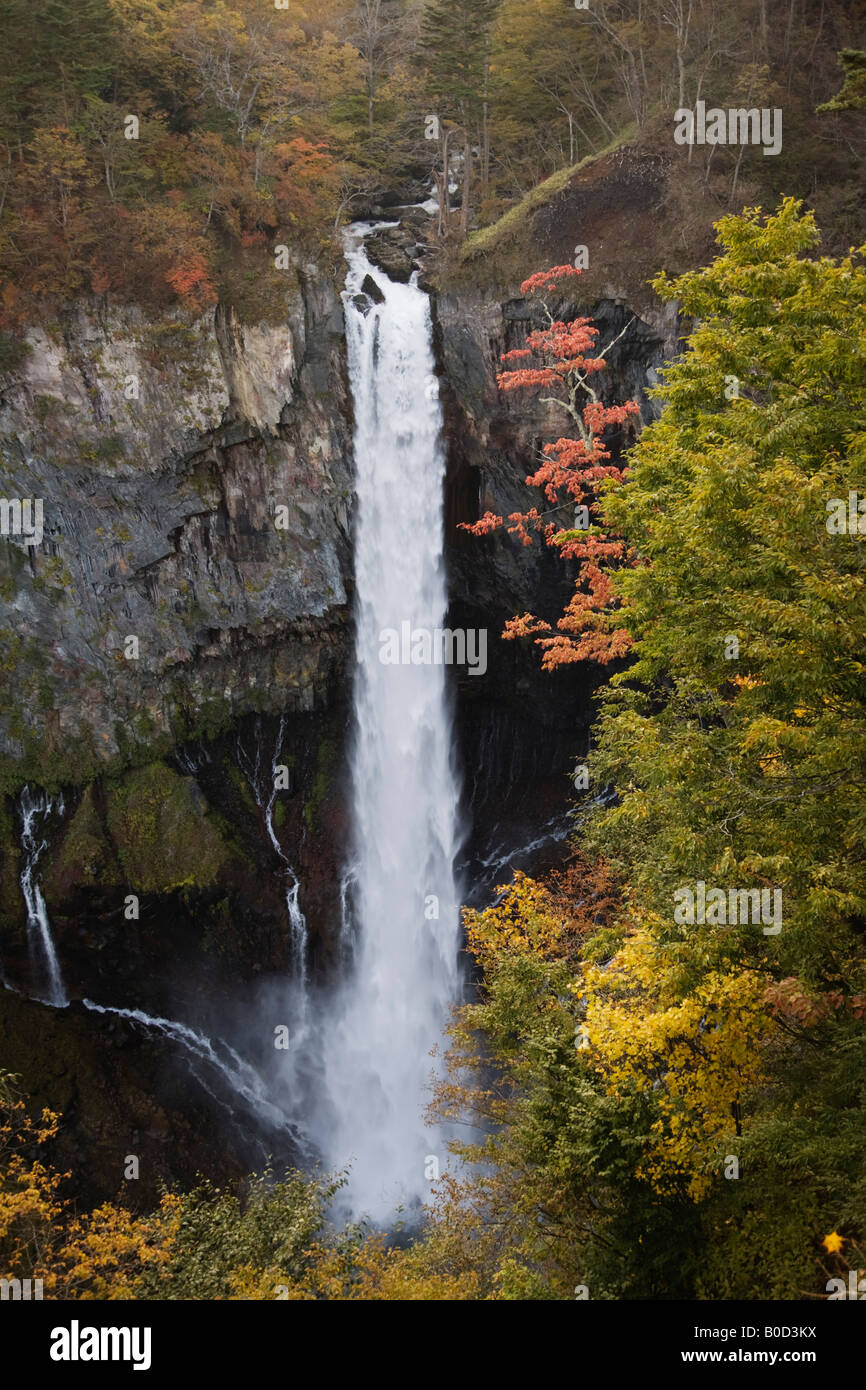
{"x": 467, "y": 179}
{"x": 485, "y": 129}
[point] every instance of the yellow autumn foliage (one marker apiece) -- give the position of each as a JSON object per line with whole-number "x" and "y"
{"x": 105, "y": 1253}
{"x": 29, "y": 1204}
{"x": 370, "y": 1271}
{"x": 698, "y": 1053}
{"x": 522, "y": 920}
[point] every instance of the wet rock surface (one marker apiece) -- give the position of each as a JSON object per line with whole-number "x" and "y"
{"x": 207, "y": 519}
{"x": 393, "y": 250}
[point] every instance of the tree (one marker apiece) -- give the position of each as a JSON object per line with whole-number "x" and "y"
{"x": 561, "y": 361}
{"x": 454, "y": 46}
{"x": 550, "y": 1198}
{"x": 735, "y": 741}
{"x": 29, "y": 1203}
{"x": 737, "y": 738}
{"x": 231, "y": 58}
{"x": 375, "y": 30}
{"x": 852, "y": 97}
{"x": 59, "y": 165}
{"x": 178, "y": 252}
{"x": 54, "y": 54}
{"x": 742, "y": 720}
{"x": 627, "y": 30}
{"x": 551, "y": 87}
{"x": 307, "y": 183}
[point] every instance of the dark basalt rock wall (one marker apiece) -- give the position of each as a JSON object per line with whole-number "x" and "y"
{"x": 520, "y": 730}
{"x": 207, "y": 518}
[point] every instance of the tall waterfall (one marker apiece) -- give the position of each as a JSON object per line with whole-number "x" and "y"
{"x": 402, "y": 974}
{"x": 35, "y": 808}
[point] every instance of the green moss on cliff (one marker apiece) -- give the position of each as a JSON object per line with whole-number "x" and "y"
{"x": 163, "y": 832}
{"x": 11, "y": 904}
{"x": 233, "y": 774}
{"x": 504, "y": 251}
{"x": 84, "y": 857}
{"x": 326, "y": 760}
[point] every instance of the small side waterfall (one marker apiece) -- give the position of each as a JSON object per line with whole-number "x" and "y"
{"x": 402, "y": 975}
{"x": 34, "y": 809}
{"x": 242, "y": 1079}
{"x": 264, "y": 788}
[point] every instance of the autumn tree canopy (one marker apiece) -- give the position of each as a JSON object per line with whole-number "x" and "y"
{"x": 561, "y": 359}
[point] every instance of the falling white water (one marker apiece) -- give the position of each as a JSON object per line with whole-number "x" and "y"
{"x": 234, "y": 1071}
{"x": 35, "y": 808}
{"x": 393, "y": 1005}
{"x": 265, "y": 793}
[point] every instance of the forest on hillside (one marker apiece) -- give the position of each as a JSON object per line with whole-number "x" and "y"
{"x": 204, "y": 135}
{"x": 654, "y": 1083}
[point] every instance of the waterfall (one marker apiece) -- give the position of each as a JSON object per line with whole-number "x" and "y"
{"x": 402, "y": 917}
{"x": 237, "y": 1074}
{"x": 34, "y": 809}
{"x": 265, "y": 794}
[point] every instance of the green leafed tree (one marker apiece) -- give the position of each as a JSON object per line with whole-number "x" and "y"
{"x": 677, "y": 1107}
{"x": 852, "y": 97}
{"x": 739, "y": 735}
{"x": 454, "y": 47}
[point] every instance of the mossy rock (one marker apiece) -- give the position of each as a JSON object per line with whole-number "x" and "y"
{"x": 11, "y": 901}
{"x": 326, "y": 758}
{"x": 217, "y": 923}
{"x": 163, "y": 832}
{"x": 84, "y": 858}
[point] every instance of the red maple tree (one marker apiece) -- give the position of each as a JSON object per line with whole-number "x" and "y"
{"x": 562, "y": 358}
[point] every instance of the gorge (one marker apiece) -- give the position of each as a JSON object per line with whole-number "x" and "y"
{"x": 416, "y": 587}
{"x": 171, "y": 981}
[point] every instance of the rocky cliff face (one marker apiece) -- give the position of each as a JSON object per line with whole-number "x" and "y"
{"x": 522, "y": 734}
{"x": 195, "y": 489}
{"x": 192, "y": 579}
{"x": 181, "y": 627}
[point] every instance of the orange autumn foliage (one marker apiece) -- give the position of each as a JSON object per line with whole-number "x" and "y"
{"x": 307, "y": 181}
{"x": 192, "y": 284}
{"x": 570, "y": 469}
